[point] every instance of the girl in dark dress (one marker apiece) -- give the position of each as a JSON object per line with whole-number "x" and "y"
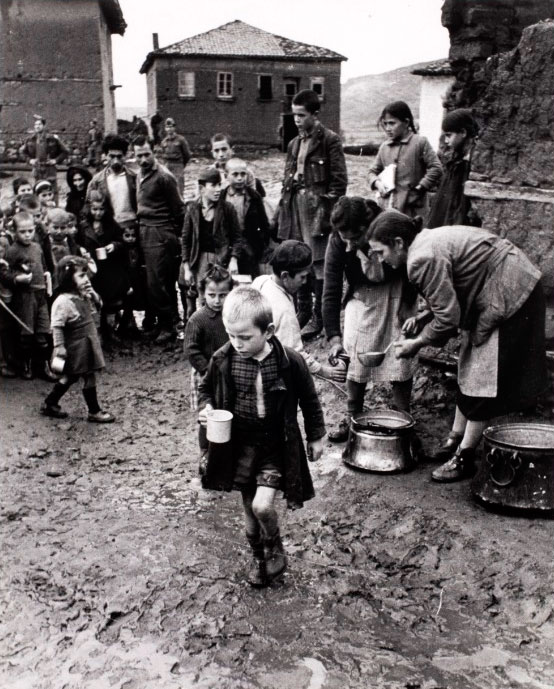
{"x": 102, "y": 237}
{"x": 76, "y": 339}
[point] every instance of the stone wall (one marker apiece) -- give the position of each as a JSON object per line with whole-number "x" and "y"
{"x": 479, "y": 29}
{"x": 54, "y": 58}
{"x": 512, "y": 180}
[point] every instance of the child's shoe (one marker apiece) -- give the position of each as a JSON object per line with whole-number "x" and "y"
{"x": 101, "y": 417}
{"x": 257, "y": 573}
{"x": 275, "y": 559}
{"x": 53, "y": 410}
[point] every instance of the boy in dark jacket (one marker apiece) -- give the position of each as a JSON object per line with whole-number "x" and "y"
{"x": 261, "y": 383}
{"x": 251, "y": 214}
{"x": 315, "y": 177}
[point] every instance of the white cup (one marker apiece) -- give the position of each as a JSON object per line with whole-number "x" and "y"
{"x": 101, "y": 253}
{"x": 218, "y": 427}
{"x": 57, "y": 364}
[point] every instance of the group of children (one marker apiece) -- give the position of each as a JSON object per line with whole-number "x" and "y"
{"x": 245, "y": 348}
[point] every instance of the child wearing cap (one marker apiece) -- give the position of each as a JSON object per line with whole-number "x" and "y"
{"x": 292, "y": 263}
{"x": 211, "y": 232}
{"x": 450, "y": 205}
{"x": 262, "y": 383}
{"x": 175, "y": 153}
{"x": 44, "y": 193}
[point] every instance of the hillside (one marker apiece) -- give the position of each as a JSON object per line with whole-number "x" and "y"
{"x": 363, "y": 98}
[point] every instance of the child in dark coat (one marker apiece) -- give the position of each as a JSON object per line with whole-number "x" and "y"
{"x": 205, "y": 334}
{"x": 76, "y": 339}
{"x": 261, "y": 383}
{"x": 101, "y": 236}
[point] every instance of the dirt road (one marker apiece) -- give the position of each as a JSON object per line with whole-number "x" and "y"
{"x": 119, "y": 571}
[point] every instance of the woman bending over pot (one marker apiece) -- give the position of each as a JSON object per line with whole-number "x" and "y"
{"x": 483, "y": 285}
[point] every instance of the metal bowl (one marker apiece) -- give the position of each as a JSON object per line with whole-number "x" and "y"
{"x": 371, "y": 359}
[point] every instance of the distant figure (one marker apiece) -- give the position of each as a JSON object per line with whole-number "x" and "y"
{"x": 94, "y": 144}
{"x": 156, "y": 126}
{"x": 175, "y": 153}
{"x": 78, "y": 178}
{"x": 44, "y": 152}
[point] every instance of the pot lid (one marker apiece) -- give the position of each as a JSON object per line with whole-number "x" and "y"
{"x": 524, "y": 436}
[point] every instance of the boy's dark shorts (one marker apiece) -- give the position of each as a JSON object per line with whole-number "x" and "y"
{"x": 258, "y": 461}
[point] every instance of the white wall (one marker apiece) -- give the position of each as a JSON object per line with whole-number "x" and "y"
{"x": 433, "y": 90}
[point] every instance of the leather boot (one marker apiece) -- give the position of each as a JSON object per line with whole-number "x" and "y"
{"x": 459, "y": 467}
{"x": 257, "y": 573}
{"x": 276, "y": 561}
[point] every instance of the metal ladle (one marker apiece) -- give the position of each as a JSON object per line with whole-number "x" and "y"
{"x": 373, "y": 358}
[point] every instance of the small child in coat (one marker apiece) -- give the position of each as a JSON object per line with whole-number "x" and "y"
{"x": 261, "y": 383}
{"x": 76, "y": 339}
{"x": 29, "y": 301}
{"x": 7, "y": 323}
{"x": 205, "y": 334}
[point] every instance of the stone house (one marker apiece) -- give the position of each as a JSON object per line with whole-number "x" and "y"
{"x": 436, "y": 79}
{"x": 56, "y": 61}
{"x": 240, "y": 80}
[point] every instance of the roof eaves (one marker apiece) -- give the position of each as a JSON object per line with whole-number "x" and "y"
{"x": 114, "y": 16}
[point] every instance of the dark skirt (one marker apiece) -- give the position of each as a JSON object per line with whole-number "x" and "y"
{"x": 521, "y": 364}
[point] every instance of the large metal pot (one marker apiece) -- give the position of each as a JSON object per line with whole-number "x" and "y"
{"x": 517, "y": 471}
{"x": 381, "y": 441}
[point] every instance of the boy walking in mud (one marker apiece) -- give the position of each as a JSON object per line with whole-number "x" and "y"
{"x": 261, "y": 382}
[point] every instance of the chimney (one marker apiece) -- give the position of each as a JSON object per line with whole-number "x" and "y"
{"x": 155, "y": 41}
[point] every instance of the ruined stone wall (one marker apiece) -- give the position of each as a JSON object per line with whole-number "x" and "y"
{"x": 479, "y": 29}
{"x": 51, "y": 63}
{"x": 512, "y": 185}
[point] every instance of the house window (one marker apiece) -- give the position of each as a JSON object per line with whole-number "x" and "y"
{"x": 186, "y": 87}
{"x": 265, "y": 87}
{"x": 291, "y": 88}
{"x": 318, "y": 85}
{"x": 224, "y": 84}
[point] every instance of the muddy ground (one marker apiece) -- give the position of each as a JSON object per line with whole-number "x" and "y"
{"x": 119, "y": 571}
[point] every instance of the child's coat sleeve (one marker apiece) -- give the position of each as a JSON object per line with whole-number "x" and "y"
{"x": 314, "y": 423}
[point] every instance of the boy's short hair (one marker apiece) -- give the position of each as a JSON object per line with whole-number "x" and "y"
{"x": 220, "y": 136}
{"x": 114, "y": 142}
{"x": 96, "y": 196}
{"x": 57, "y": 215}
{"x": 209, "y": 175}
{"x": 22, "y": 217}
{"x": 292, "y": 256}
{"x": 458, "y": 120}
{"x": 29, "y": 202}
{"x": 235, "y": 161}
{"x": 71, "y": 217}
{"x": 248, "y": 303}
{"x": 309, "y": 99}
{"x": 19, "y": 182}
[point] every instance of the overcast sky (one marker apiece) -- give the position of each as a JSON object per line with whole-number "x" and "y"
{"x": 375, "y": 35}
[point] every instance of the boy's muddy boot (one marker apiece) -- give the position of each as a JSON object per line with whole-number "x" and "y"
{"x": 312, "y": 329}
{"x": 275, "y": 559}
{"x": 462, "y": 465}
{"x": 257, "y": 573}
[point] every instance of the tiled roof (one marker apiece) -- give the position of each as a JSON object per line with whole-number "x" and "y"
{"x": 237, "y": 39}
{"x": 438, "y": 68}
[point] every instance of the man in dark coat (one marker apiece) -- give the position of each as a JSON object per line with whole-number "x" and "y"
{"x": 44, "y": 151}
{"x": 315, "y": 177}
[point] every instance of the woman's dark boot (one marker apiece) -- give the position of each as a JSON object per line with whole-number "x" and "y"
{"x": 459, "y": 467}
{"x": 275, "y": 559}
{"x": 257, "y": 573}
